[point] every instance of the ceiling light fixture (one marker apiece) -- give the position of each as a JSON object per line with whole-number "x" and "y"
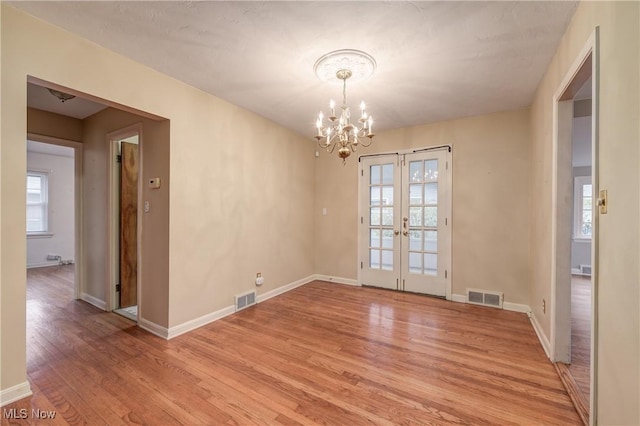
{"x": 61, "y": 95}
{"x": 340, "y": 132}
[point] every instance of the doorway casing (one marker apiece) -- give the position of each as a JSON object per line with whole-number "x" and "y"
{"x": 585, "y": 66}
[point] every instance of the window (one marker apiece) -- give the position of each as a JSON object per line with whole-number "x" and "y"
{"x": 583, "y": 207}
{"x": 37, "y": 203}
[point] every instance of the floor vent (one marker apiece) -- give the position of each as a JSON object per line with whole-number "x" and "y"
{"x": 585, "y": 269}
{"x": 245, "y": 300}
{"x": 484, "y": 298}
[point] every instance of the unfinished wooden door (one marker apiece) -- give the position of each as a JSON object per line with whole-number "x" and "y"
{"x": 128, "y": 224}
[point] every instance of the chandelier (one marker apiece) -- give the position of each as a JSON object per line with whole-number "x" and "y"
{"x": 342, "y": 133}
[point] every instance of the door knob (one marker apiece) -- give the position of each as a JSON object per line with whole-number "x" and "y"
{"x": 396, "y": 232}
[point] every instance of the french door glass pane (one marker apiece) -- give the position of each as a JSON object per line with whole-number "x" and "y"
{"x": 387, "y": 260}
{"x": 415, "y": 240}
{"x": 387, "y": 195}
{"x": 430, "y": 216}
{"x": 415, "y": 216}
{"x": 415, "y": 262}
{"x": 431, "y": 170}
{"x": 375, "y": 175}
{"x": 430, "y": 264}
{"x": 374, "y": 239}
{"x": 430, "y": 240}
{"x": 415, "y": 193}
{"x": 374, "y": 259}
{"x": 415, "y": 171}
{"x": 387, "y": 238}
{"x": 375, "y": 216}
{"x": 387, "y": 216}
{"x": 375, "y": 199}
{"x": 387, "y": 174}
{"x": 431, "y": 193}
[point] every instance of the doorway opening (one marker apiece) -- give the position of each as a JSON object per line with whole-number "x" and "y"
{"x": 574, "y": 231}
{"x": 405, "y": 234}
{"x": 124, "y": 195}
{"x": 53, "y": 209}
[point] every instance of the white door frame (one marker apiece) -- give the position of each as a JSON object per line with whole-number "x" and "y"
{"x": 449, "y": 181}
{"x": 113, "y": 212}
{"x": 561, "y": 205}
{"x": 78, "y": 288}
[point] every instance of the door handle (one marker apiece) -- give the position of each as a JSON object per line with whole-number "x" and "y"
{"x": 405, "y": 233}
{"x": 396, "y": 232}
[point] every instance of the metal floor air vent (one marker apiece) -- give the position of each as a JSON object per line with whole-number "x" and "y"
{"x": 245, "y": 300}
{"x": 484, "y": 298}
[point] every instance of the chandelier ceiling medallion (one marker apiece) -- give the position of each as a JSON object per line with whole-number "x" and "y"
{"x": 340, "y": 132}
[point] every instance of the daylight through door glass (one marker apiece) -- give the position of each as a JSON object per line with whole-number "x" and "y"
{"x": 423, "y": 217}
{"x": 381, "y": 217}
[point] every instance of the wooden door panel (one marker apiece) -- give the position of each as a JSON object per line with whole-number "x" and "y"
{"x": 128, "y": 225}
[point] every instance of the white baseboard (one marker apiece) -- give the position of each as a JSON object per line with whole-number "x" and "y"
{"x": 14, "y": 393}
{"x": 461, "y": 298}
{"x": 283, "y": 289}
{"x": 153, "y": 328}
{"x": 339, "y": 280}
{"x": 43, "y": 264}
{"x": 516, "y": 307}
{"x": 101, "y": 304}
{"x": 541, "y": 336}
{"x": 191, "y": 325}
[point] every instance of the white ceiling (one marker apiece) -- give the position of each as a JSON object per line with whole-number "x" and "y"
{"x": 436, "y": 60}
{"x": 40, "y": 98}
{"x": 50, "y": 149}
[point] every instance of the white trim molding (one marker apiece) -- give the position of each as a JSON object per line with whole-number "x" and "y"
{"x": 153, "y": 328}
{"x": 460, "y": 298}
{"x": 541, "y": 336}
{"x": 338, "y": 280}
{"x": 191, "y": 325}
{"x": 15, "y": 393}
{"x": 100, "y": 304}
{"x": 283, "y": 289}
{"x": 516, "y": 307}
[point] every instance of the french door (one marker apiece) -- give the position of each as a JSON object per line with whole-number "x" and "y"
{"x": 405, "y": 235}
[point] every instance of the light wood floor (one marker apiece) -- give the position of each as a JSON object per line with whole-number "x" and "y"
{"x": 323, "y": 353}
{"x": 581, "y": 333}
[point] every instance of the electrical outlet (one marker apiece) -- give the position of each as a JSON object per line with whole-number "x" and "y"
{"x": 259, "y": 279}
{"x": 544, "y": 306}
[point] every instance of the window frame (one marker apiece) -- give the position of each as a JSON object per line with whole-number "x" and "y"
{"x": 45, "y": 176}
{"x": 578, "y": 201}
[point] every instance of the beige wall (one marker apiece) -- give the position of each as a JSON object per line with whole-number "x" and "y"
{"x": 154, "y": 254}
{"x": 241, "y": 189}
{"x": 54, "y": 125}
{"x": 618, "y": 371}
{"x": 490, "y": 190}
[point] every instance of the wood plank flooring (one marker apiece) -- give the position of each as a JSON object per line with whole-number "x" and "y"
{"x": 323, "y": 353}
{"x": 581, "y": 333}
{"x": 576, "y": 376}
